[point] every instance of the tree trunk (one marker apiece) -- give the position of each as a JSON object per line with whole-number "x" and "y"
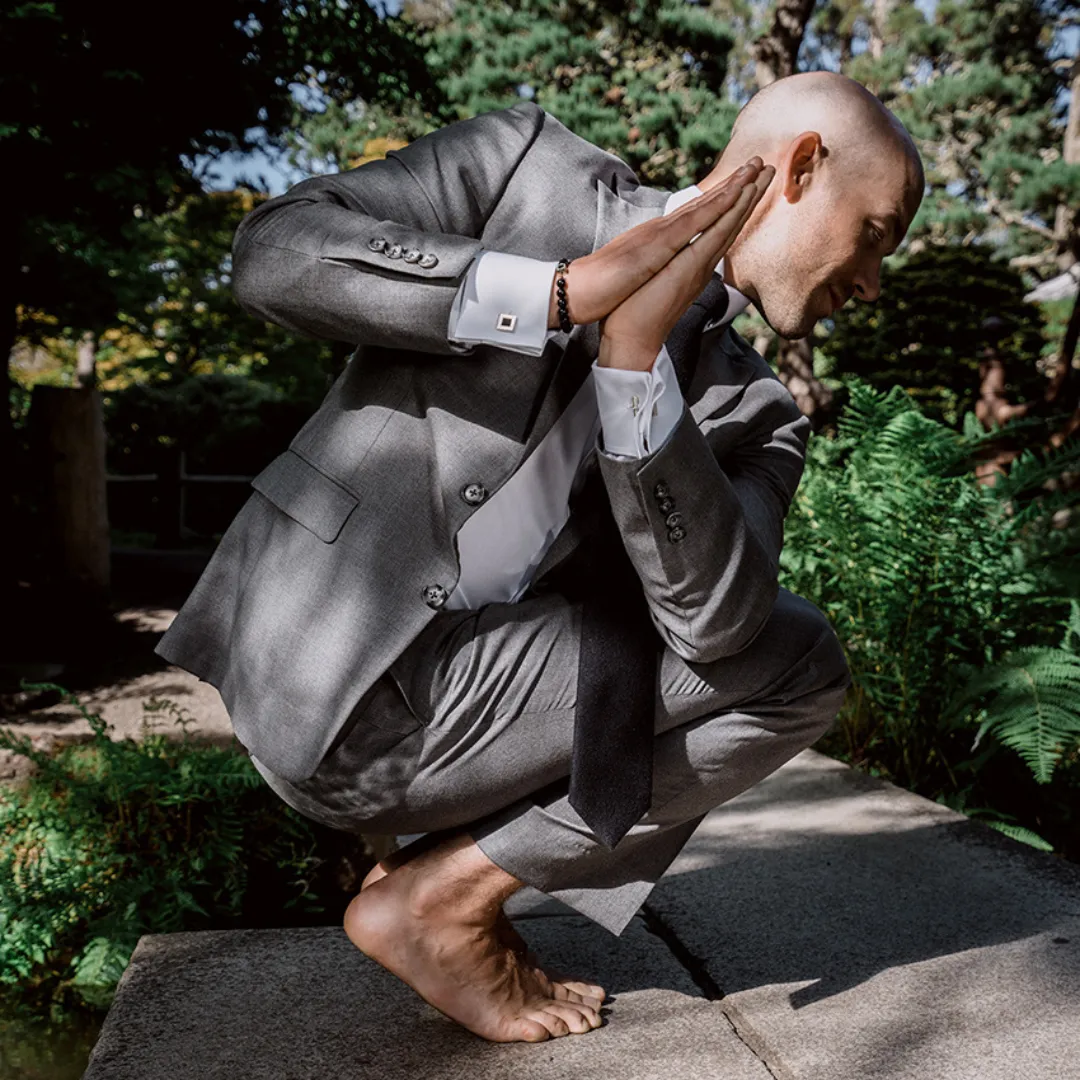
{"x": 10, "y": 563}
{"x": 776, "y": 52}
{"x": 795, "y": 367}
{"x": 70, "y": 438}
{"x": 84, "y": 359}
{"x": 1066, "y": 231}
{"x": 876, "y": 46}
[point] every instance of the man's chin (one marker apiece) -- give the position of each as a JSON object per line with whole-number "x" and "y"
{"x": 789, "y": 329}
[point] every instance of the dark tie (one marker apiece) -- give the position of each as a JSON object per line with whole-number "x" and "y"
{"x": 611, "y": 764}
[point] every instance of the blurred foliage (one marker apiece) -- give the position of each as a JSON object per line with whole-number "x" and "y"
{"x": 226, "y": 423}
{"x": 644, "y": 80}
{"x": 118, "y": 131}
{"x": 928, "y": 329}
{"x": 116, "y": 838}
{"x": 947, "y": 594}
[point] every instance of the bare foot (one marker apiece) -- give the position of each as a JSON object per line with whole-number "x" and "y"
{"x": 432, "y": 922}
{"x": 504, "y": 929}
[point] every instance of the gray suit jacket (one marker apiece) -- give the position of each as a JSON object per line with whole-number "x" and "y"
{"x": 346, "y": 547}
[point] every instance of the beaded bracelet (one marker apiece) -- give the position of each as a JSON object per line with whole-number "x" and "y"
{"x": 560, "y": 288}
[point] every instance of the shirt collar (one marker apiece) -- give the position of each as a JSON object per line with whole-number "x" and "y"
{"x": 737, "y": 301}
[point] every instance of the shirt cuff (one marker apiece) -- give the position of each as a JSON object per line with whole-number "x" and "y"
{"x": 508, "y": 290}
{"x": 638, "y": 409}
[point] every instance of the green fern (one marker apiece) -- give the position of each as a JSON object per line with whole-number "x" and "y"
{"x": 1021, "y": 833}
{"x": 930, "y": 577}
{"x": 116, "y": 838}
{"x": 1030, "y": 701}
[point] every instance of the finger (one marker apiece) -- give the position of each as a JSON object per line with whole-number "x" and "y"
{"x": 733, "y": 180}
{"x": 700, "y": 256}
{"x": 717, "y": 238}
{"x": 697, "y": 213}
{"x": 703, "y": 244}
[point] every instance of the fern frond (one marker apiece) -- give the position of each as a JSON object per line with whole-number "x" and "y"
{"x": 1030, "y": 471}
{"x": 1031, "y": 702}
{"x": 1021, "y": 833}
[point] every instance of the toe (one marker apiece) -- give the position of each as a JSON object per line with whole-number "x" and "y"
{"x": 563, "y": 993}
{"x": 583, "y": 989}
{"x": 555, "y": 1024}
{"x": 527, "y": 1029}
{"x": 578, "y": 1018}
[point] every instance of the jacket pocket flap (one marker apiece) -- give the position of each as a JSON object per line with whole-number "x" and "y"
{"x": 307, "y": 495}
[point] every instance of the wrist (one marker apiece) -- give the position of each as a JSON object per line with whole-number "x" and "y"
{"x": 553, "y": 306}
{"x": 621, "y": 354}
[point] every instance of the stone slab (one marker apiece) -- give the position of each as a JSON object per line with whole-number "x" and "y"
{"x": 304, "y": 1003}
{"x": 856, "y": 930}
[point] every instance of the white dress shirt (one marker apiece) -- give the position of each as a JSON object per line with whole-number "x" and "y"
{"x": 503, "y": 542}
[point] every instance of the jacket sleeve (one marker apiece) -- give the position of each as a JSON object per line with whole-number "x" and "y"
{"x": 702, "y": 515}
{"x": 375, "y": 255}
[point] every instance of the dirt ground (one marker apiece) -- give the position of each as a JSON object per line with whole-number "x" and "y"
{"x": 117, "y": 691}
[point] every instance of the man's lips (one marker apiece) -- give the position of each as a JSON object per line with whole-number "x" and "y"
{"x": 836, "y": 299}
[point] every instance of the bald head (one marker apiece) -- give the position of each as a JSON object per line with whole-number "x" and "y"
{"x": 848, "y": 182}
{"x": 853, "y": 122}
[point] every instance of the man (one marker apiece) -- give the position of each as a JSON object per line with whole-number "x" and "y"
{"x": 402, "y": 620}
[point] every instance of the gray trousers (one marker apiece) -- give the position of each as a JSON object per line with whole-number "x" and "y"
{"x": 472, "y": 726}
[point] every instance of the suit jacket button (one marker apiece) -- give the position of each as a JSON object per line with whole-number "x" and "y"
{"x": 474, "y": 493}
{"x": 377, "y": 243}
{"x": 673, "y": 519}
{"x": 435, "y": 595}
{"x": 676, "y": 534}
{"x": 661, "y": 491}
{"x": 665, "y": 506}
{"x": 428, "y": 261}
{"x": 394, "y": 251}
{"x": 412, "y": 255}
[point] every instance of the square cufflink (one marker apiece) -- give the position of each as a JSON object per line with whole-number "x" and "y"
{"x": 506, "y": 321}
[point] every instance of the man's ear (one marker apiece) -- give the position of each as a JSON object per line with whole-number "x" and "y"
{"x": 798, "y": 163}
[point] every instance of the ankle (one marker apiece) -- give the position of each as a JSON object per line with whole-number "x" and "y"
{"x": 457, "y": 882}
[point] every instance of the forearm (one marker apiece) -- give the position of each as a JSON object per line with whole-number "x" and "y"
{"x": 323, "y": 293}
{"x": 705, "y": 537}
{"x": 376, "y": 255}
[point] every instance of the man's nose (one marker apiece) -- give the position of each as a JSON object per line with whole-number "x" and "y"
{"x": 868, "y": 284}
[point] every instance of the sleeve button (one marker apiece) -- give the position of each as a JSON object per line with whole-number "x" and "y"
{"x": 435, "y": 595}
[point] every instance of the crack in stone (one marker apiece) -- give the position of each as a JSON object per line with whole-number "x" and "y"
{"x": 708, "y": 986}
{"x": 693, "y": 966}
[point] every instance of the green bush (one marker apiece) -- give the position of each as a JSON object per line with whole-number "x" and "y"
{"x": 951, "y": 597}
{"x": 939, "y": 310}
{"x": 112, "y": 839}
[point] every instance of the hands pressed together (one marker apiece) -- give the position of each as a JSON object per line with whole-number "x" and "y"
{"x": 641, "y": 283}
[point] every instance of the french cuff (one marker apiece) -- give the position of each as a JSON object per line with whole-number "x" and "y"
{"x": 638, "y": 409}
{"x": 503, "y": 300}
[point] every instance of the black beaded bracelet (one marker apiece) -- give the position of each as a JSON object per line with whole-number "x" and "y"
{"x": 560, "y": 288}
